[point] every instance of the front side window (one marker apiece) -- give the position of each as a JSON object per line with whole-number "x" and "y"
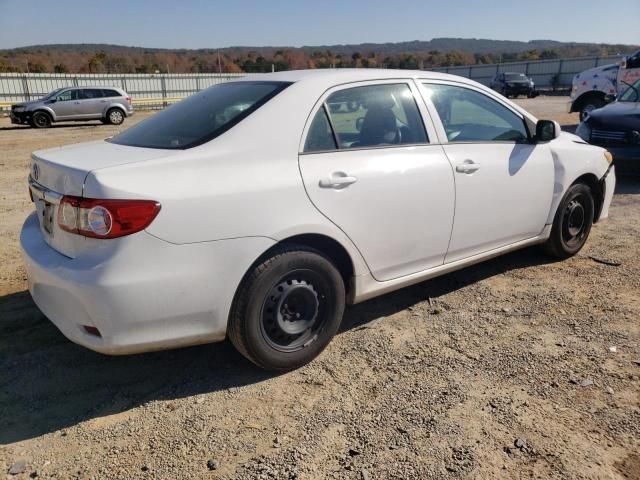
{"x": 67, "y": 95}
{"x": 631, "y": 94}
{"x": 471, "y": 116}
{"x": 369, "y": 116}
{"x": 200, "y": 117}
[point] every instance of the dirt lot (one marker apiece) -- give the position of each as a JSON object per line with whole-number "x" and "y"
{"x": 516, "y": 368}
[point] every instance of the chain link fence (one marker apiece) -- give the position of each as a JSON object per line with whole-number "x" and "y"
{"x": 554, "y": 74}
{"x": 148, "y": 91}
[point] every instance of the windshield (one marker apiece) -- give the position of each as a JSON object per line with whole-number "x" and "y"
{"x": 631, "y": 94}
{"x": 200, "y": 117}
{"x": 515, "y": 76}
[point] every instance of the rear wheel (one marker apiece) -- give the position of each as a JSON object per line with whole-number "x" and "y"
{"x": 287, "y": 309}
{"x": 41, "y": 120}
{"x": 115, "y": 116}
{"x": 572, "y": 222}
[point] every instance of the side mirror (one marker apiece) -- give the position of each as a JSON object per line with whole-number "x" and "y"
{"x": 610, "y": 98}
{"x": 547, "y": 130}
{"x": 623, "y": 62}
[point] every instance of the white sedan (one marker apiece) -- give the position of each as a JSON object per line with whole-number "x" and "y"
{"x": 259, "y": 208}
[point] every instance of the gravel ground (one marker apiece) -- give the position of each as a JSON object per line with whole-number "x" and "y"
{"x": 517, "y": 368}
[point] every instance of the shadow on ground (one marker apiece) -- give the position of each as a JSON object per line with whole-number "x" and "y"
{"x": 54, "y": 126}
{"x": 48, "y": 383}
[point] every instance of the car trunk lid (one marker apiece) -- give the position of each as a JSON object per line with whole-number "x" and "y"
{"x": 62, "y": 171}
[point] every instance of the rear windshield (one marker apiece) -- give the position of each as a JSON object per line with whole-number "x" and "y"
{"x": 515, "y": 76}
{"x": 200, "y": 117}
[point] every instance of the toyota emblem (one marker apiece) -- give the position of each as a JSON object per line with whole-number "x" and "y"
{"x": 35, "y": 171}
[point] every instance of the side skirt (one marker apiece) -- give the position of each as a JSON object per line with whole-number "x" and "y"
{"x": 366, "y": 287}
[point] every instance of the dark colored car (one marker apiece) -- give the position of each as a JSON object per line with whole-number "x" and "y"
{"x": 617, "y": 128}
{"x": 513, "y": 84}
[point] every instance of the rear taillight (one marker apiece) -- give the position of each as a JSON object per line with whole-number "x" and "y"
{"x": 105, "y": 218}
{"x": 129, "y": 100}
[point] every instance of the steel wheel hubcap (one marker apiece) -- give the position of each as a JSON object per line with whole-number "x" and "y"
{"x": 293, "y": 313}
{"x": 116, "y": 116}
{"x": 575, "y": 218}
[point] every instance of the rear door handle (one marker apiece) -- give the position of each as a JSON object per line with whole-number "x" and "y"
{"x": 337, "y": 180}
{"x": 467, "y": 167}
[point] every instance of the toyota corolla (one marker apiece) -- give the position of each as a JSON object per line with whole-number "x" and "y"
{"x": 257, "y": 209}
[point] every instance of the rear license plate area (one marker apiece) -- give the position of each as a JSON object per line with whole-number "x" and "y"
{"x": 47, "y": 217}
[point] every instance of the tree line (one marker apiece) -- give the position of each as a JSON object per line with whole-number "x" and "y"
{"x": 115, "y": 59}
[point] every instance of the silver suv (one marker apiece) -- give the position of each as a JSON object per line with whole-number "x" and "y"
{"x": 108, "y": 104}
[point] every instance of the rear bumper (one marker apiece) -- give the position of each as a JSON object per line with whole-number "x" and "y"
{"x": 140, "y": 292}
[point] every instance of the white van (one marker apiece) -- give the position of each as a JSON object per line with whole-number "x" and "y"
{"x": 591, "y": 87}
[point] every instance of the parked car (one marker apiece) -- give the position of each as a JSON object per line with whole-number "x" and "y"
{"x": 110, "y": 105}
{"x": 617, "y": 127}
{"x": 591, "y": 87}
{"x": 512, "y": 84}
{"x": 256, "y": 211}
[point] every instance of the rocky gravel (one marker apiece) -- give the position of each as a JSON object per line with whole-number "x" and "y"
{"x": 520, "y": 367}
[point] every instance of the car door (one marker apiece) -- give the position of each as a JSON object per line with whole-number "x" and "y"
{"x": 368, "y": 166}
{"x": 65, "y": 105}
{"x": 90, "y": 103}
{"x": 504, "y": 181}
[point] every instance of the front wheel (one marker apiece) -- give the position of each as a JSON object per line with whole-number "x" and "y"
{"x": 41, "y": 120}
{"x": 572, "y": 222}
{"x": 287, "y": 309}
{"x": 589, "y": 106}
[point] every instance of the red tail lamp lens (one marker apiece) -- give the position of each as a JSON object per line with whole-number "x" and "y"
{"x": 105, "y": 218}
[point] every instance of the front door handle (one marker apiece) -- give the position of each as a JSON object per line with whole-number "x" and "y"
{"x": 467, "y": 167}
{"x": 337, "y": 180}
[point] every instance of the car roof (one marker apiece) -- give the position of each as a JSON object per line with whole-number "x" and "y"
{"x": 101, "y": 87}
{"x": 337, "y": 76}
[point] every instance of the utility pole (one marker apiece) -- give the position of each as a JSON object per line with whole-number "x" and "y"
{"x": 219, "y": 65}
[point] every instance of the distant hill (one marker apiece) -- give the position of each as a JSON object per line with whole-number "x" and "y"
{"x": 105, "y": 58}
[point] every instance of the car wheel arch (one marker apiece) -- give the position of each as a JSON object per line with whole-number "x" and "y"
{"x": 117, "y": 107}
{"x": 46, "y": 111}
{"x": 579, "y": 102}
{"x": 596, "y": 187}
{"x": 324, "y": 244}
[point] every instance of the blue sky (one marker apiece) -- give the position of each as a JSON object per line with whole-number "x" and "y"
{"x": 200, "y": 23}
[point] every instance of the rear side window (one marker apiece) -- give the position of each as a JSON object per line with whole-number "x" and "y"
{"x": 89, "y": 93}
{"x": 470, "y": 116}
{"x": 376, "y": 115}
{"x": 320, "y": 136}
{"x": 111, "y": 93}
{"x": 200, "y": 117}
{"x": 369, "y": 116}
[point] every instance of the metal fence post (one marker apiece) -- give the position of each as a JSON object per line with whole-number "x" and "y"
{"x": 25, "y": 88}
{"x": 163, "y": 86}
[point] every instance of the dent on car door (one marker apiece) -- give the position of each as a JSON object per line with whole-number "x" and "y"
{"x": 367, "y": 165}
{"x": 504, "y": 182}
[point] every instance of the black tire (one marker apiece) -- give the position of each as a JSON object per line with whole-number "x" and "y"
{"x": 275, "y": 335}
{"x": 589, "y": 105}
{"x": 572, "y": 222}
{"x": 40, "y": 120}
{"x": 115, "y": 116}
